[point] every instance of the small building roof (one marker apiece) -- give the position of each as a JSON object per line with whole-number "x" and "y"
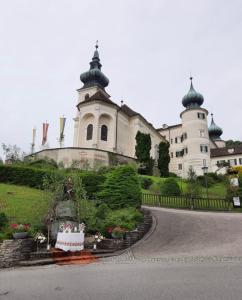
{"x": 226, "y": 151}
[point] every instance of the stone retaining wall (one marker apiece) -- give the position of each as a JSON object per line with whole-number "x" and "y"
{"x": 13, "y": 251}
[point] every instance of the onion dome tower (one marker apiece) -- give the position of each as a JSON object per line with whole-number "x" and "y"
{"x": 195, "y": 144}
{"x": 214, "y": 130}
{"x": 94, "y": 77}
{"x": 192, "y": 99}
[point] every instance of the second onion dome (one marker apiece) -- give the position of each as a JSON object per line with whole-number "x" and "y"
{"x": 192, "y": 99}
{"x": 214, "y": 130}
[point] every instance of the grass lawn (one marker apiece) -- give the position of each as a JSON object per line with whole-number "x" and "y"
{"x": 23, "y": 204}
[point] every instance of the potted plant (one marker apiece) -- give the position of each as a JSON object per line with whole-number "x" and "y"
{"x": 20, "y": 231}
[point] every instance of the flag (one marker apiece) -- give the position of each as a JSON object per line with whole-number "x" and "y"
{"x": 33, "y": 136}
{"x": 45, "y": 131}
{"x": 62, "y": 127}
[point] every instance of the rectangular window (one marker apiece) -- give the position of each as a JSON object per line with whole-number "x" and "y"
{"x": 186, "y": 150}
{"x": 179, "y": 166}
{"x": 180, "y": 153}
{"x": 201, "y": 115}
{"x": 178, "y": 140}
{"x": 240, "y": 161}
{"x": 204, "y": 148}
{"x": 171, "y": 141}
{"x": 220, "y": 163}
{"x": 202, "y": 133}
{"x": 232, "y": 162}
{"x": 171, "y": 155}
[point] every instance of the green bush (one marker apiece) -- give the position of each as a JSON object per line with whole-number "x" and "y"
{"x": 34, "y": 177}
{"x": 145, "y": 182}
{"x": 171, "y": 174}
{"x": 170, "y": 188}
{"x": 121, "y": 188}
{"x": 126, "y": 218}
{"x": 23, "y": 176}
{"x": 3, "y": 220}
{"x": 92, "y": 182}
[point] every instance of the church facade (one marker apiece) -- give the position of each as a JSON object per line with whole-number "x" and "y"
{"x": 104, "y": 132}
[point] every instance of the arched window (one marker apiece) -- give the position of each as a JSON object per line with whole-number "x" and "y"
{"x": 104, "y": 133}
{"x": 89, "y": 132}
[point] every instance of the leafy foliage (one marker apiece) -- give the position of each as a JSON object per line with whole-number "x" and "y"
{"x": 37, "y": 178}
{"x": 170, "y": 187}
{"x": 3, "y": 220}
{"x": 193, "y": 186}
{"x": 142, "y": 152}
{"x": 145, "y": 182}
{"x": 12, "y": 153}
{"x": 23, "y": 175}
{"x": 231, "y": 143}
{"x": 164, "y": 159}
{"x": 126, "y": 218}
{"x": 121, "y": 188}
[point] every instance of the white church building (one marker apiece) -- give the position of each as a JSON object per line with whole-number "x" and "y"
{"x": 104, "y": 132}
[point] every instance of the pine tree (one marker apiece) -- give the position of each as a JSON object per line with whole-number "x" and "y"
{"x": 164, "y": 159}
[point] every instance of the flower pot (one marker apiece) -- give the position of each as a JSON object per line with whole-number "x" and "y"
{"x": 20, "y": 235}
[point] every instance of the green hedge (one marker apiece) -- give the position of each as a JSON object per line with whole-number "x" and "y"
{"x": 34, "y": 178}
{"x": 23, "y": 176}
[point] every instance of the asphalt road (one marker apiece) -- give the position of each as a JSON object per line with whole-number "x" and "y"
{"x": 189, "y": 256}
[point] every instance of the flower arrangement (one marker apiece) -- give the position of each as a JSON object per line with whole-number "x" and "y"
{"x": 40, "y": 238}
{"x": 66, "y": 227}
{"x": 82, "y": 227}
{"x": 16, "y": 228}
{"x": 98, "y": 237}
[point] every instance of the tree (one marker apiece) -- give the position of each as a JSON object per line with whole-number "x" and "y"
{"x": 142, "y": 152}
{"x": 12, "y": 153}
{"x": 164, "y": 159}
{"x": 193, "y": 187}
{"x": 121, "y": 188}
{"x": 231, "y": 143}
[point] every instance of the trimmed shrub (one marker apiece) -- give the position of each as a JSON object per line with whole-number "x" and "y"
{"x": 145, "y": 182}
{"x": 170, "y": 188}
{"x": 121, "y": 188}
{"x": 36, "y": 178}
{"x": 23, "y": 176}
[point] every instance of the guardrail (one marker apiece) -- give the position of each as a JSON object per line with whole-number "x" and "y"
{"x": 185, "y": 202}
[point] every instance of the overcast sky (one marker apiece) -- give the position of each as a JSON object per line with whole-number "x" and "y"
{"x": 147, "y": 48}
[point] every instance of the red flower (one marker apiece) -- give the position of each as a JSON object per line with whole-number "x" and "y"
{"x": 110, "y": 229}
{"x": 14, "y": 225}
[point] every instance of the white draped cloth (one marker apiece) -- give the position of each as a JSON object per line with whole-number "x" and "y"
{"x": 73, "y": 241}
